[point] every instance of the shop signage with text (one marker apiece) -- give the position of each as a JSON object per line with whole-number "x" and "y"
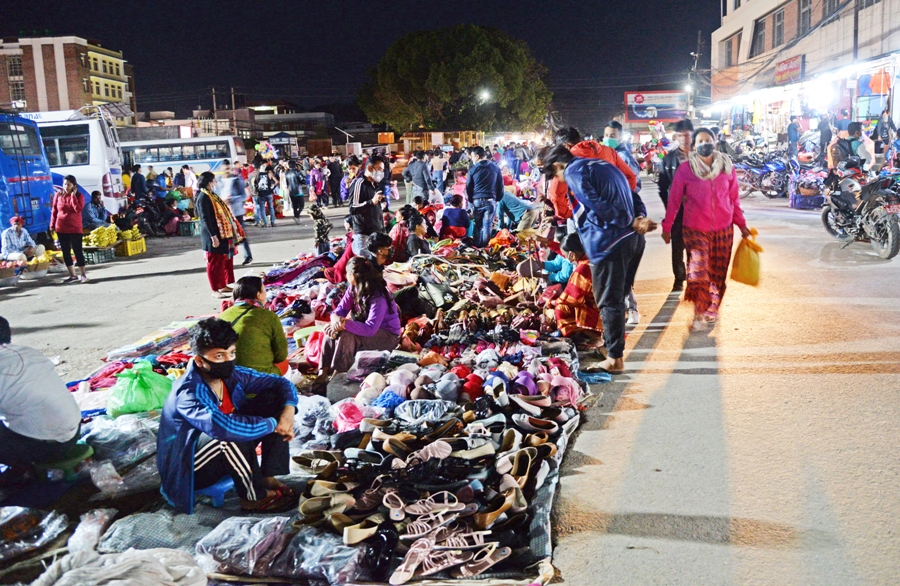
{"x": 790, "y": 70}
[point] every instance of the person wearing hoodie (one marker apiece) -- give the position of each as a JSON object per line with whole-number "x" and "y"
{"x": 608, "y": 219}
{"x": 670, "y": 164}
{"x": 708, "y": 189}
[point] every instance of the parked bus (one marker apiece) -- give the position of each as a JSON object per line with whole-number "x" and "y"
{"x": 200, "y": 154}
{"x": 84, "y": 143}
{"x": 26, "y": 186}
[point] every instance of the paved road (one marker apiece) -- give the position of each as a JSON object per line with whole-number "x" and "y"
{"x": 764, "y": 452}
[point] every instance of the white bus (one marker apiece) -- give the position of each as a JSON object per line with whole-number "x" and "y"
{"x": 200, "y": 154}
{"x": 84, "y": 143}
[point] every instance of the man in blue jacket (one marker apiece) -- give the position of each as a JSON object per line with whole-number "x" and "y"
{"x": 213, "y": 420}
{"x": 484, "y": 187}
{"x": 793, "y": 137}
{"x": 608, "y": 218}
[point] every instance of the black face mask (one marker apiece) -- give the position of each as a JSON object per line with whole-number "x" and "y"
{"x": 219, "y": 370}
{"x": 705, "y": 149}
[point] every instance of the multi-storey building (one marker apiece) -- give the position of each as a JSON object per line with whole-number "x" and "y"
{"x": 63, "y": 73}
{"x": 775, "y": 58}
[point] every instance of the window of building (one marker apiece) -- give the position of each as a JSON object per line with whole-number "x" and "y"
{"x": 85, "y": 84}
{"x": 117, "y": 70}
{"x": 15, "y": 77}
{"x": 95, "y": 64}
{"x": 866, "y": 3}
{"x": 119, "y": 92}
{"x": 737, "y": 4}
{"x": 104, "y": 67}
{"x": 759, "y": 38}
{"x": 106, "y": 90}
{"x": 805, "y": 20}
{"x": 778, "y": 28}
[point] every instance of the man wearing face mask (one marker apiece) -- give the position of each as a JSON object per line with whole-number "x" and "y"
{"x": 670, "y": 164}
{"x": 213, "y": 420}
{"x": 612, "y": 137}
{"x": 365, "y": 203}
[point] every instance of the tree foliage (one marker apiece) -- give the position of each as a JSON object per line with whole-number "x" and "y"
{"x": 465, "y": 77}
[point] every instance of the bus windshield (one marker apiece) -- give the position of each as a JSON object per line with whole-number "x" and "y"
{"x": 17, "y": 139}
{"x": 67, "y": 146}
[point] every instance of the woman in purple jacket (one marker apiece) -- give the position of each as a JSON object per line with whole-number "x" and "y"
{"x": 366, "y": 319}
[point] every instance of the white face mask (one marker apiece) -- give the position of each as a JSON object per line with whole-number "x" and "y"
{"x": 377, "y": 176}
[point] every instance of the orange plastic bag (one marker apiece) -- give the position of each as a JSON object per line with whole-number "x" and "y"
{"x": 745, "y": 266}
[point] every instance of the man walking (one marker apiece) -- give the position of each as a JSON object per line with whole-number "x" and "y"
{"x": 608, "y": 224}
{"x": 824, "y": 137}
{"x": 683, "y": 131}
{"x": 484, "y": 188}
{"x": 793, "y": 137}
{"x": 294, "y": 181}
{"x": 234, "y": 192}
{"x": 336, "y": 173}
{"x": 418, "y": 175}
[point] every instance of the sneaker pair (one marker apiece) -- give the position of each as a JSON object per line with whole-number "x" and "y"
{"x": 634, "y": 317}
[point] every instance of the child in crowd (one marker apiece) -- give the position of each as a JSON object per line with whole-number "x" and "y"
{"x": 322, "y": 227}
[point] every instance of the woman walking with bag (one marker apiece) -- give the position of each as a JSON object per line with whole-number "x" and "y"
{"x": 219, "y": 234}
{"x": 65, "y": 220}
{"x": 708, "y": 188}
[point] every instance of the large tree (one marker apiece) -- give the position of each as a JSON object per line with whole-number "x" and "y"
{"x": 465, "y": 77}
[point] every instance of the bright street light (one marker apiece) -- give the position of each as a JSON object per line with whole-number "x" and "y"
{"x": 688, "y": 88}
{"x": 485, "y": 95}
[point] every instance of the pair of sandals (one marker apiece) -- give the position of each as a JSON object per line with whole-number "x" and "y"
{"x": 423, "y": 559}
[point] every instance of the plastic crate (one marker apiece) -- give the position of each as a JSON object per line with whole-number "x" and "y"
{"x": 191, "y": 228}
{"x": 131, "y": 247}
{"x": 96, "y": 256}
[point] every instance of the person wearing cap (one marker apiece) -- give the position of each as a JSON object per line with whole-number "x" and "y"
{"x": 17, "y": 243}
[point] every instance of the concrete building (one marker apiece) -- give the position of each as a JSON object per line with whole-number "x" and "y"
{"x": 772, "y": 59}
{"x": 64, "y": 73}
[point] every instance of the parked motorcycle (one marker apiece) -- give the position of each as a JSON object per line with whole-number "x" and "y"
{"x": 144, "y": 213}
{"x": 769, "y": 175}
{"x": 856, "y": 210}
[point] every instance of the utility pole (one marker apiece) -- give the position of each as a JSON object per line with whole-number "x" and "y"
{"x": 855, "y": 30}
{"x": 233, "y": 115}
{"x": 215, "y": 114}
{"x": 692, "y": 75}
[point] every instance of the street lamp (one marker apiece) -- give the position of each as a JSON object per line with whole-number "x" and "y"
{"x": 688, "y": 88}
{"x": 485, "y": 95}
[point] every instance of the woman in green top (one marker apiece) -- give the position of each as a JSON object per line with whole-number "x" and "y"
{"x": 261, "y": 343}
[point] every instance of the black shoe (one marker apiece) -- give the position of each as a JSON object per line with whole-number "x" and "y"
{"x": 679, "y": 285}
{"x": 247, "y": 260}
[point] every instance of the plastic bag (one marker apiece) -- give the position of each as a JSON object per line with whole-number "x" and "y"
{"x": 237, "y": 544}
{"x": 745, "y": 267}
{"x": 138, "y": 389}
{"x": 144, "y": 476}
{"x": 23, "y": 530}
{"x": 122, "y": 441}
{"x": 135, "y": 566}
{"x": 367, "y": 362}
{"x": 105, "y": 477}
{"x": 314, "y": 554}
{"x": 92, "y": 525}
{"x": 313, "y": 348}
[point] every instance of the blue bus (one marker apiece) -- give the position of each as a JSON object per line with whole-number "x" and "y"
{"x": 26, "y": 184}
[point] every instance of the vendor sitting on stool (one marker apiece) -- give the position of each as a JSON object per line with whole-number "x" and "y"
{"x": 93, "y": 215}
{"x": 213, "y": 420}
{"x": 17, "y": 244}
{"x": 41, "y": 420}
{"x": 367, "y": 318}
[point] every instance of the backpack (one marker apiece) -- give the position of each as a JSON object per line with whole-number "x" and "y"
{"x": 841, "y": 151}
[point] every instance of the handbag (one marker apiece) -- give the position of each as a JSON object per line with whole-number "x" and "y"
{"x": 441, "y": 295}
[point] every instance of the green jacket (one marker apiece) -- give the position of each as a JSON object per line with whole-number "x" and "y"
{"x": 261, "y": 341}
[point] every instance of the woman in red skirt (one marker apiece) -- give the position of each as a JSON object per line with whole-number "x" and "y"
{"x": 219, "y": 234}
{"x": 707, "y": 187}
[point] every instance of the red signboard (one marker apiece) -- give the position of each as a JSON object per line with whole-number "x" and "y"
{"x": 789, "y": 70}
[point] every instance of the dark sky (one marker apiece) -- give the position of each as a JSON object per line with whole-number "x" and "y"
{"x": 316, "y": 53}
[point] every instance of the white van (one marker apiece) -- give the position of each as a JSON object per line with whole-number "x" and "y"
{"x": 84, "y": 143}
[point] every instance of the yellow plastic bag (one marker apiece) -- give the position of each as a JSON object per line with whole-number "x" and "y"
{"x": 745, "y": 267}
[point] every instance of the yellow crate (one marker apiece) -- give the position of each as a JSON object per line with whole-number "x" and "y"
{"x": 131, "y": 247}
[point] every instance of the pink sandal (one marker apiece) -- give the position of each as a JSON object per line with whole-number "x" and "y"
{"x": 418, "y": 553}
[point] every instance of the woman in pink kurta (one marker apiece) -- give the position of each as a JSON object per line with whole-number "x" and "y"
{"x": 707, "y": 186}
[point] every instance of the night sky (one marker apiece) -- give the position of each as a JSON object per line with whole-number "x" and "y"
{"x": 315, "y": 53}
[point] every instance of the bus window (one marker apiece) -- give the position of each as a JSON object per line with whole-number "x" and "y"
{"x": 127, "y": 157}
{"x": 67, "y": 145}
{"x": 16, "y": 139}
{"x": 176, "y": 153}
{"x": 189, "y": 152}
{"x": 221, "y": 150}
{"x": 165, "y": 154}
{"x": 145, "y": 155}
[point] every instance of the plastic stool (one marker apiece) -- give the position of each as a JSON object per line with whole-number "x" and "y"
{"x": 72, "y": 458}
{"x": 217, "y": 491}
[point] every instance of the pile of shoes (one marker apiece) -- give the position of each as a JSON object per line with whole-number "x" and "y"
{"x": 441, "y": 486}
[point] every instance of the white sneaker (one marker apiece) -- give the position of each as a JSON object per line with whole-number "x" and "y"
{"x": 634, "y": 317}
{"x": 699, "y": 325}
